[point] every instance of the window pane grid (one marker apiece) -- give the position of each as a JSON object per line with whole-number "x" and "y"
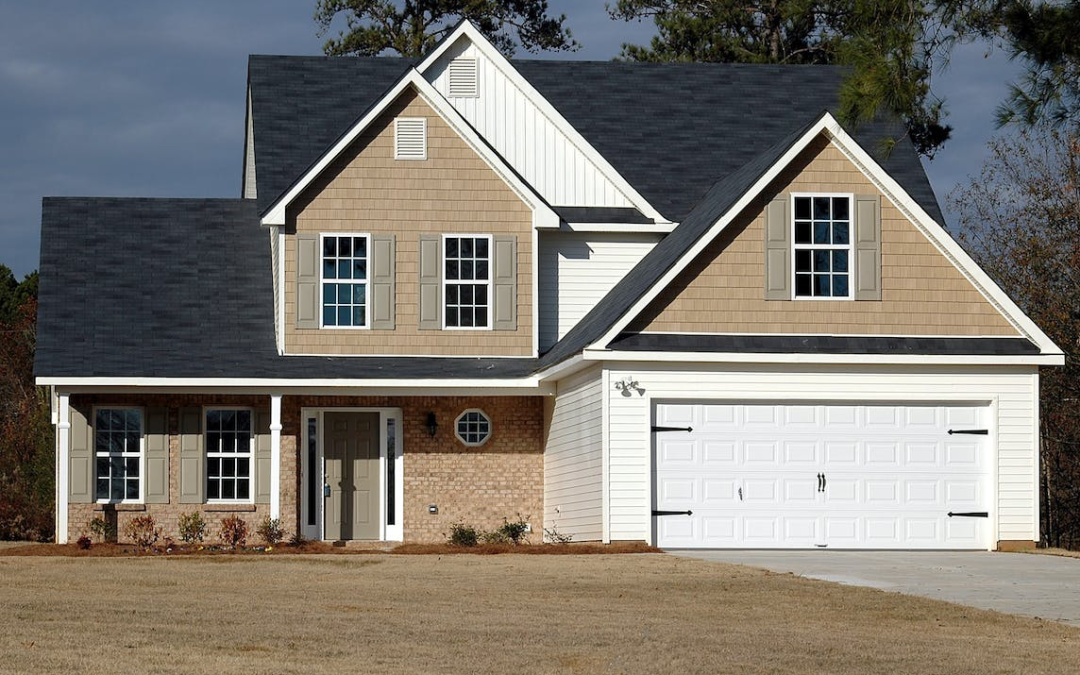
{"x": 473, "y": 427}
{"x": 344, "y": 281}
{"x": 822, "y": 247}
{"x": 228, "y": 455}
{"x": 117, "y": 454}
{"x": 467, "y": 273}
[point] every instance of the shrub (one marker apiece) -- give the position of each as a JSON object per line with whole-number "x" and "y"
{"x": 463, "y": 535}
{"x": 553, "y": 535}
{"x": 270, "y": 531}
{"x": 84, "y": 543}
{"x": 234, "y": 531}
{"x": 192, "y": 528}
{"x": 514, "y": 532}
{"x": 298, "y": 540}
{"x": 142, "y": 531}
{"x": 103, "y": 529}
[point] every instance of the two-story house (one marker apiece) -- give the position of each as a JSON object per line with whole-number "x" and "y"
{"x": 673, "y": 303}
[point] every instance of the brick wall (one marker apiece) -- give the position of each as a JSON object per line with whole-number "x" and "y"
{"x": 479, "y": 486}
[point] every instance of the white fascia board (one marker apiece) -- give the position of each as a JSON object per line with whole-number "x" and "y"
{"x": 563, "y": 369}
{"x": 468, "y": 31}
{"x": 839, "y": 359}
{"x": 395, "y": 387}
{"x": 543, "y": 215}
{"x": 621, "y": 228}
{"x": 899, "y": 197}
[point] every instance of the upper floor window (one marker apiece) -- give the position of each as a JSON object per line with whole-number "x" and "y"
{"x": 344, "y": 281}
{"x": 467, "y": 281}
{"x": 228, "y": 455}
{"x": 822, "y": 246}
{"x": 118, "y": 454}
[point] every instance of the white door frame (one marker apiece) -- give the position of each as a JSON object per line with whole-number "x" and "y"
{"x": 390, "y": 421}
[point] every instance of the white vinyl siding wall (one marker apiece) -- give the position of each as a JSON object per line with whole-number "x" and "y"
{"x": 573, "y": 462}
{"x": 525, "y": 136}
{"x": 577, "y": 270}
{"x": 275, "y": 272}
{"x": 249, "y": 156}
{"x": 1011, "y": 393}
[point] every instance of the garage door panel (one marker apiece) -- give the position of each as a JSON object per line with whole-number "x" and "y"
{"x": 752, "y": 476}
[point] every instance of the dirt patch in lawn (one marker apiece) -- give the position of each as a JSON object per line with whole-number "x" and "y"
{"x": 489, "y": 614}
{"x": 22, "y": 549}
{"x": 1060, "y": 552}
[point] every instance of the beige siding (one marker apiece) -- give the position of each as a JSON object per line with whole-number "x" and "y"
{"x": 573, "y": 458}
{"x": 453, "y": 191}
{"x": 922, "y": 291}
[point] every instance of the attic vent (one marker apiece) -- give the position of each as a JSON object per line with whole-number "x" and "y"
{"x": 463, "y": 81}
{"x": 410, "y": 138}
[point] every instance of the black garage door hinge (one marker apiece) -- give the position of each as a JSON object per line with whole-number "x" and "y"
{"x": 973, "y": 432}
{"x": 673, "y": 513}
{"x": 687, "y": 429}
{"x": 971, "y": 514}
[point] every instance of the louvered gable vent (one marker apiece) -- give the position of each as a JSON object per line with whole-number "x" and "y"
{"x": 410, "y": 138}
{"x": 463, "y": 82}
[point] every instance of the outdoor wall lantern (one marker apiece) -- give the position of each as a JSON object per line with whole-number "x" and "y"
{"x": 432, "y": 425}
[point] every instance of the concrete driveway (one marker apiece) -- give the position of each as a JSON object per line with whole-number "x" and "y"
{"x": 1042, "y": 586}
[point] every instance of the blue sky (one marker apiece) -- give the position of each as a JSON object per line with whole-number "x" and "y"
{"x": 111, "y": 98}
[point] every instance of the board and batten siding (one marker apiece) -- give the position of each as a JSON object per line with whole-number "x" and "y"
{"x": 250, "y": 191}
{"x": 573, "y": 457}
{"x": 524, "y": 135}
{"x": 1011, "y": 392}
{"x": 922, "y": 291}
{"x": 577, "y": 269}
{"x": 453, "y": 191}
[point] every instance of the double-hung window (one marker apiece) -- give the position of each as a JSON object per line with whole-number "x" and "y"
{"x": 118, "y": 454}
{"x": 467, "y": 281}
{"x": 344, "y": 281}
{"x": 822, "y": 246}
{"x": 228, "y": 455}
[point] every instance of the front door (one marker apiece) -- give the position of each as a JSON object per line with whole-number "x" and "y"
{"x": 351, "y": 451}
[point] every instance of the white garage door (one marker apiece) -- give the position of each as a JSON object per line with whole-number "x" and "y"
{"x": 803, "y": 476}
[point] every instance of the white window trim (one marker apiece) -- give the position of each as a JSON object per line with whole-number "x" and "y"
{"x": 142, "y": 454}
{"x": 367, "y": 281}
{"x": 811, "y": 247}
{"x": 252, "y": 471}
{"x": 457, "y": 434}
{"x": 488, "y": 283}
{"x": 423, "y": 130}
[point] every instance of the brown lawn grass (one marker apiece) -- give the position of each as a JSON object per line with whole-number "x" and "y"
{"x": 515, "y": 614}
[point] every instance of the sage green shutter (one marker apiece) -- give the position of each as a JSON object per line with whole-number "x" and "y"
{"x": 263, "y": 457}
{"x": 381, "y": 283}
{"x": 430, "y": 282}
{"x": 778, "y": 249}
{"x": 157, "y": 455}
{"x": 307, "y": 281}
{"x": 504, "y": 283}
{"x": 868, "y": 247}
{"x": 80, "y": 460}
{"x": 192, "y": 463}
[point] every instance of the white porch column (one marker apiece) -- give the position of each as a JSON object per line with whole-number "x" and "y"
{"x": 63, "y": 462}
{"x": 275, "y": 455}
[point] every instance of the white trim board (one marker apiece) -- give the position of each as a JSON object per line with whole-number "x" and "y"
{"x": 543, "y": 215}
{"x": 841, "y": 359}
{"x": 828, "y": 126}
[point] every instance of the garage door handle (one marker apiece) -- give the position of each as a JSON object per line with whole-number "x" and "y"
{"x": 971, "y": 514}
{"x": 973, "y": 432}
{"x": 687, "y": 429}
{"x": 673, "y": 513}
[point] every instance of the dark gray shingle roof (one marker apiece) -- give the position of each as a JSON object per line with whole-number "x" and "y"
{"x": 182, "y": 288}
{"x": 824, "y": 344}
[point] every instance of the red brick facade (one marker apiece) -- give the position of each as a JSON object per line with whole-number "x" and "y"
{"x": 478, "y": 486}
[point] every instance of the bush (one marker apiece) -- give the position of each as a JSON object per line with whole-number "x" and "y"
{"x": 270, "y": 531}
{"x": 234, "y": 531}
{"x": 84, "y": 543}
{"x": 192, "y": 528}
{"x": 553, "y": 535}
{"x": 463, "y": 535}
{"x": 103, "y": 529}
{"x": 514, "y": 532}
{"x": 142, "y": 531}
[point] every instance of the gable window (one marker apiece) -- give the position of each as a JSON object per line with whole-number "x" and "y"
{"x": 228, "y": 455}
{"x": 473, "y": 427}
{"x": 822, "y": 246}
{"x": 344, "y": 281}
{"x": 467, "y": 281}
{"x": 118, "y": 454}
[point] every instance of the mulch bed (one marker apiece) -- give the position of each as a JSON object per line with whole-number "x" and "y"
{"x": 321, "y": 548}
